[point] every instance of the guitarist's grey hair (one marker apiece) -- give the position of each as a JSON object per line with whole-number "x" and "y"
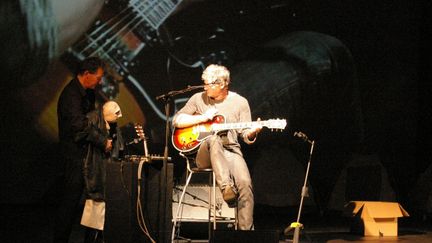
{"x": 216, "y": 73}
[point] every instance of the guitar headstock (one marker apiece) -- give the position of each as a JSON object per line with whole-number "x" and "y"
{"x": 275, "y": 124}
{"x": 139, "y": 131}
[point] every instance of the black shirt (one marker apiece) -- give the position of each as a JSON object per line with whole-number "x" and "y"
{"x": 73, "y": 105}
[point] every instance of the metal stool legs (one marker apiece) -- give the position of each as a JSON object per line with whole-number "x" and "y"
{"x": 211, "y": 204}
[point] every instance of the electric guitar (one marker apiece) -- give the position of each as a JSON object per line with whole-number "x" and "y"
{"x": 188, "y": 139}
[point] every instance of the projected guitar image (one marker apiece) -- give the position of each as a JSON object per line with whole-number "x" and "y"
{"x": 188, "y": 139}
{"x": 120, "y": 38}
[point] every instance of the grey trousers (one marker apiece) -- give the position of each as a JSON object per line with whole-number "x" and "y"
{"x": 230, "y": 168}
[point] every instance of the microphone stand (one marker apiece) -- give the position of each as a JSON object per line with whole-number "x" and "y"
{"x": 167, "y": 99}
{"x": 304, "y": 193}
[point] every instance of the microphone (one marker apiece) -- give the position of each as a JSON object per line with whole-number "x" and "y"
{"x": 301, "y": 136}
{"x": 196, "y": 86}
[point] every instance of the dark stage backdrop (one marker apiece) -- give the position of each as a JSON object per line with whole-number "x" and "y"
{"x": 348, "y": 74}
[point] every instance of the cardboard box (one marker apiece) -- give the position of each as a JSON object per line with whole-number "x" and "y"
{"x": 375, "y": 218}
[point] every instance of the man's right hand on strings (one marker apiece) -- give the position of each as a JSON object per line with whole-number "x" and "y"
{"x": 210, "y": 113}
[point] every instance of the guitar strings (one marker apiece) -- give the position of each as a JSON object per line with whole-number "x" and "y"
{"x": 101, "y": 27}
{"x": 109, "y": 21}
{"x": 118, "y": 34}
{"x": 110, "y": 30}
{"x": 113, "y": 42}
{"x": 149, "y": 18}
{"x": 121, "y": 32}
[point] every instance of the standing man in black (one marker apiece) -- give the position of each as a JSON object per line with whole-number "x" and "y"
{"x": 76, "y": 100}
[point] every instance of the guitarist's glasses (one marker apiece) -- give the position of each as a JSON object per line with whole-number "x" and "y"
{"x": 213, "y": 84}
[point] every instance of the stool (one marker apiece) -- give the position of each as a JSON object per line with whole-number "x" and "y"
{"x": 211, "y": 205}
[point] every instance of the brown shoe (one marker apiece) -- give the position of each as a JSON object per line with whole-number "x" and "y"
{"x": 229, "y": 195}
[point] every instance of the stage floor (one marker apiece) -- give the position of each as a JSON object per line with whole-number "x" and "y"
{"x": 33, "y": 223}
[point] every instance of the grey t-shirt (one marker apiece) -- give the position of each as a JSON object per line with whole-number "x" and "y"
{"x": 235, "y": 108}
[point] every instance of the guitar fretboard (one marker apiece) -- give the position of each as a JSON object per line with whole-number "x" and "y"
{"x": 154, "y": 11}
{"x": 240, "y": 125}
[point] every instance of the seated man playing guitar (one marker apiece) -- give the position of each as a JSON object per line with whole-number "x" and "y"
{"x": 221, "y": 151}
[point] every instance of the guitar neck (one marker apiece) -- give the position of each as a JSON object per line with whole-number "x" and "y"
{"x": 240, "y": 125}
{"x": 154, "y": 12}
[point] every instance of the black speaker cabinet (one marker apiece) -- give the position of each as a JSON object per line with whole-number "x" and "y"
{"x": 245, "y": 236}
{"x": 121, "y": 224}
